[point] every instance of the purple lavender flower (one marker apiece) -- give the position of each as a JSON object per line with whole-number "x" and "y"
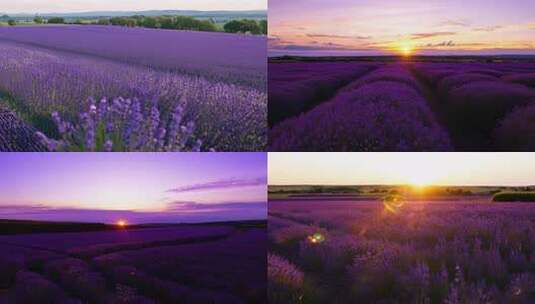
{"x": 126, "y": 127}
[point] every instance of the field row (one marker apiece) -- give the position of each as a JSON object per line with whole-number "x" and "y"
{"x": 166, "y": 265}
{"x": 94, "y": 89}
{"x": 403, "y": 106}
{"x": 417, "y": 252}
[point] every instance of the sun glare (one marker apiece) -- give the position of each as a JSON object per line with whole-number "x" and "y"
{"x": 406, "y": 51}
{"x": 405, "y": 48}
{"x": 121, "y": 223}
{"x": 422, "y": 178}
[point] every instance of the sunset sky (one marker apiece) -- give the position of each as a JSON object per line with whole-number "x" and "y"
{"x": 462, "y": 169}
{"x": 375, "y": 27}
{"x": 55, "y": 6}
{"x": 144, "y": 186}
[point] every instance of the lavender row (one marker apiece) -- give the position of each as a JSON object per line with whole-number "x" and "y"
{"x": 297, "y": 87}
{"x": 479, "y": 101}
{"x": 16, "y": 135}
{"x": 238, "y": 58}
{"x": 205, "y": 265}
{"x": 425, "y": 252}
{"x": 223, "y": 117}
{"x": 383, "y": 111}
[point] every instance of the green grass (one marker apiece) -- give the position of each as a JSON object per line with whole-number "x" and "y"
{"x": 514, "y": 197}
{"x": 40, "y": 121}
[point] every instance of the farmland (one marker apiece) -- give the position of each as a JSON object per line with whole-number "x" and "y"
{"x": 89, "y": 88}
{"x": 389, "y": 104}
{"x": 96, "y": 263}
{"x": 455, "y": 247}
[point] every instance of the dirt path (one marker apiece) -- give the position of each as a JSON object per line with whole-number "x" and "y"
{"x": 16, "y": 135}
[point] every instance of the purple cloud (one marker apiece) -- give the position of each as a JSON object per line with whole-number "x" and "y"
{"x": 221, "y": 184}
{"x": 338, "y": 36}
{"x": 193, "y": 206}
{"x": 443, "y": 43}
{"x": 488, "y": 28}
{"x": 185, "y": 212}
{"x": 417, "y": 36}
{"x": 461, "y": 23}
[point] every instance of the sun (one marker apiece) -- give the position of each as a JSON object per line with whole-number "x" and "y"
{"x": 420, "y": 182}
{"x": 406, "y": 51}
{"x": 406, "y": 48}
{"x": 121, "y": 223}
{"x": 422, "y": 179}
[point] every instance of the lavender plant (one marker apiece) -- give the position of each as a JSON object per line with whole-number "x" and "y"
{"x": 123, "y": 124}
{"x": 224, "y": 95}
{"x": 466, "y": 251}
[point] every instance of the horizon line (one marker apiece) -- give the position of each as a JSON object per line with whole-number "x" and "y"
{"x": 133, "y": 11}
{"x": 398, "y": 184}
{"x": 402, "y": 56}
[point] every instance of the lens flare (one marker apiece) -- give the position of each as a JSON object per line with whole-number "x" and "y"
{"x": 316, "y": 238}
{"x": 393, "y": 203}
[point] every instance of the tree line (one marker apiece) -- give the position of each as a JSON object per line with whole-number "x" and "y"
{"x": 249, "y": 26}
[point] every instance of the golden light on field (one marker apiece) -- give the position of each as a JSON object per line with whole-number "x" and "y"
{"x": 393, "y": 203}
{"x": 121, "y": 223}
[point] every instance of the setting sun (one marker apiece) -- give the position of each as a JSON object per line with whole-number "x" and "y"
{"x": 406, "y": 48}
{"x": 121, "y": 223}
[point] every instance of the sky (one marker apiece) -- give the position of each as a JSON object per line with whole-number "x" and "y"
{"x": 146, "y": 187}
{"x": 381, "y": 27}
{"x": 460, "y": 169}
{"x": 65, "y": 6}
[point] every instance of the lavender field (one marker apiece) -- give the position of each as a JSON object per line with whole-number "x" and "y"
{"x": 202, "y": 263}
{"x": 409, "y": 105}
{"x": 451, "y": 250}
{"x": 100, "y": 88}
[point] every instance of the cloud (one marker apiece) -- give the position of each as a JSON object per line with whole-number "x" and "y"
{"x": 461, "y": 23}
{"x": 221, "y": 184}
{"x": 488, "y": 28}
{"x": 417, "y": 36}
{"x": 338, "y": 36}
{"x": 180, "y": 206}
{"x": 316, "y": 47}
{"x": 179, "y": 212}
{"x": 6, "y": 210}
{"x": 449, "y": 43}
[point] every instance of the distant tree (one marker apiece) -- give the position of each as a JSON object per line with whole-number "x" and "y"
{"x": 233, "y": 26}
{"x": 190, "y": 23}
{"x": 38, "y": 20}
{"x": 166, "y": 22}
{"x": 56, "y": 20}
{"x": 251, "y": 26}
{"x": 103, "y": 21}
{"x": 242, "y": 26}
{"x": 117, "y": 21}
{"x": 11, "y": 22}
{"x": 130, "y": 22}
{"x": 149, "y": 22}
{"x": 263, "y": 26}
{"x": 4, "y": 17}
